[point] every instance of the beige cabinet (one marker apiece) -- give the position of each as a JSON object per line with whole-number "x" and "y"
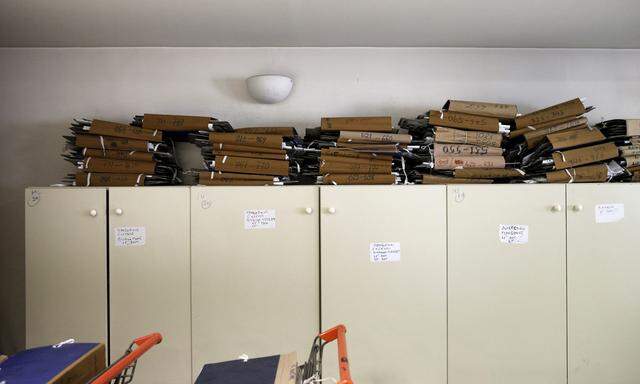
{"x": 149, "y": 278}
{"x": 474, "y": 283}
{"x": 507, "y": 284}
{"x": 255, "y": 272}
{"x": 383, "y": 253}
{"x": 66, "y": 269}
{"x": 603, "y": 286}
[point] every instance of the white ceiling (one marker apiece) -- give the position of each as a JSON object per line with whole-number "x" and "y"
{"x": 429, "y": 23}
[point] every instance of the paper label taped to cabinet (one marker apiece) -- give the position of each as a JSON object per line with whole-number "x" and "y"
{"x": 130, "y": 236}
{"x": 609, "y": 213}
{"x": 513, "y": 233}
{"x": 384, "y": 252}
{"x": 259, "y": 219}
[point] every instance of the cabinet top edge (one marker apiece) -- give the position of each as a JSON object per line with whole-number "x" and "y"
{"x": 351, "y": 186}
{"x": 61, "y": 188}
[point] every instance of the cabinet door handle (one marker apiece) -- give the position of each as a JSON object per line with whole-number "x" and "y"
{"x": 577, "y": 208}
{"x": 556, "y": 208}
{"x": 93, "y": 213}
{"x": 119, "y": 211}
{"x": 308, "y": 210}
{"x": 331, "y": 210}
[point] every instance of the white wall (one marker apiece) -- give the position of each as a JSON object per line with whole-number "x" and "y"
{"x": 43, "y": 89}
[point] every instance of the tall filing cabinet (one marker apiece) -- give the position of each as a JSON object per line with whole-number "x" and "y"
{"x": 383, "y": 253}
{"x": 66, "y": 267}
{"x": 507, "y": 284}
{"x": 255, "y": 272}
{"x": 603, "y": 285}
{"x": 149, "y": 278}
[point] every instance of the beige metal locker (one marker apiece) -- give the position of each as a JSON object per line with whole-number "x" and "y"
{"x": 507, "y": 284}
{"x": 149, "y": 275}
{"x": 603, "y": 286}
{"x": 383, "y": 269}
{"x": 255, "y": 266}
{"x": 66, "y": 265}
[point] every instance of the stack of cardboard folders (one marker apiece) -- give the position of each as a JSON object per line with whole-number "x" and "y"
{"x": 465, "y": 142}
{"x": 357, "y": 150}
{"x": 558, "y": 145}
{"x": 115, "y": 154}
{"x": 136, "y": 154}
{"x": 252, "y": 156}
{"x": 626, "y": 135}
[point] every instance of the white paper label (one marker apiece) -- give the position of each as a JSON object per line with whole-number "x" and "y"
{"x": 384, "y": 252}
{"x": 513, "y": 233}
{"x": 609, "y": 213}
{"x": 259, "y": 219}
{"x": 130, "y": 236}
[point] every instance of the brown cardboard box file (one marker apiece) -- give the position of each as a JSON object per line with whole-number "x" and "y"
{"x": 108, "y": 128}
{"x": 176, "y": 123}
{"x": 247, "y": 139}
{"x": 464, "y": 121}
{"x": 253, "y": 166}
{"x": 96, "y": 179}
{"x": 465, "y": 150}
{"x": 588, "y": 173}
{"x": 488, "y": 173}
{"x": 457, "y": 136}
{"x": 503, "y": 111}
{"x": 361, "y": 178}
{"x": 367, "y": 124}
{"x": 587, "y": 155}
{"x": 454, "y": 162}
{"x": 560, "y": 111}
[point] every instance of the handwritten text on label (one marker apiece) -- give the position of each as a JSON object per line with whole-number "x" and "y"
{"x": 130, "y": 236}
{"x": 384, "y": 252}
{"x": 513, "y": 233}
{"x": 259, "y": 219}
{"x": 609, "y": 213}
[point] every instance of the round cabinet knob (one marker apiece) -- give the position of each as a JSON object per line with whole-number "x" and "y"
{"x": 308, "y": 210}
{"x": 93, "y": 213}
{"x": 577, "y": 208}
{"x": 119, "y": 211}
{"x": 331, "y": 210}
{"x": 556, "y": 208}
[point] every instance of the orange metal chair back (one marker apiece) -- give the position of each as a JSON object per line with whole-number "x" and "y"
{"x": 338, "y": 333}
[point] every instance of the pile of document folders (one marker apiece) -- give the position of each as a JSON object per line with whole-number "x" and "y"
{"x": 253, "y": 156}
{"x": 558, "y": 145}
{"x": 463, "y": 142}
{"x": 357, "y": 150}
{"x": 478, "y": 142}
{"x": 141, "y": 153}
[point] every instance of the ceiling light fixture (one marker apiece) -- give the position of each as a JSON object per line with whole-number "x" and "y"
{"x": 269, "y": 89}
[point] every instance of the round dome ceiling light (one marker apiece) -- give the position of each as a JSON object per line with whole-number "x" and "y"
{"x": 269, "y": 89}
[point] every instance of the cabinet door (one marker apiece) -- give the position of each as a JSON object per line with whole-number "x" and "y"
{"x": 384, "y": 277}
{"x": 149, "y": 278}
{"x": 507, "y": 284}
{"x": 255, "y": 287}
{"x": 604, "y": 290}
{"x": 66, "y": 265}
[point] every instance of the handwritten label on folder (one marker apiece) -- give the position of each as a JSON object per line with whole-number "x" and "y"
{"x": 513, "y": 233}
{"x": 130, "y": 236}
{"x": 259, "y": 219}
{"x": 384, "y": 252}
{"x": 609, "y": 213}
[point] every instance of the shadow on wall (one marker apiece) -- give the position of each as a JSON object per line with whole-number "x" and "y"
{"x": 234, "y": 89}
{"x": 33, "y": 159}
